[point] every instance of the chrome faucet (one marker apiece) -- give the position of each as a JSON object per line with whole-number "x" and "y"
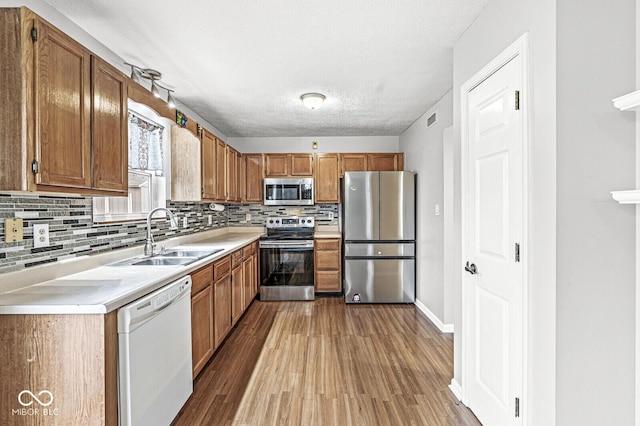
{"x": 149, "y": 245}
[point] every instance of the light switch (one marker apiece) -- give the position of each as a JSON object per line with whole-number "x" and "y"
{"x": 247, "y": 217}
{"x": 437, "y": 209}
{"x": 184, "y": 222}
{"x": 13, "y": 230}
{"x": 209, "y": 220}
{"x": 41, "y": 235}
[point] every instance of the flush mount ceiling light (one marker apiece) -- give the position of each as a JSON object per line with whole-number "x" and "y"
{"x": 312, "y": 100}
{"x": 153, "y": 75}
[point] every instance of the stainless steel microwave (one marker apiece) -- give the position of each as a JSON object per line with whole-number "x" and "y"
{"x": 288, "y": 191}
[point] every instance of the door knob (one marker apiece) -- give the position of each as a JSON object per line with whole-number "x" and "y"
{"x": 471, "y": 268}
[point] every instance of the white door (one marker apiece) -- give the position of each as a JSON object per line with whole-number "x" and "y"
{"x": 493, "y": 280}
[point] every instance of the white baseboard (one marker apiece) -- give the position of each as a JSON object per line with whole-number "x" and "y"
{"x": 444, "y": 328}
{"x": 456, "y": 389}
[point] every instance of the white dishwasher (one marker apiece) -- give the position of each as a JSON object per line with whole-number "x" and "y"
{"x": 154, "y": 355}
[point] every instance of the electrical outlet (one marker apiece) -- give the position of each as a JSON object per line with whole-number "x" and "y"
{"x": 330, "y": 215}
{"x": 437, "y": 209}
{"x": 41, "y": 235}
{"x": 209, "y": 220}
{"x": 247, "y": 217}
{"x": 184, "y": 222}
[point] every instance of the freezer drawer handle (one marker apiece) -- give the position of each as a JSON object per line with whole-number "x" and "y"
{"x": 471, "y": 268}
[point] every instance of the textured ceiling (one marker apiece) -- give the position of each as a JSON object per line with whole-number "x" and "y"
{"x": 242, "y": 65}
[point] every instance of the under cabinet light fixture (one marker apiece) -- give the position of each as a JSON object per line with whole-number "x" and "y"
{"x": 313, "y": 100}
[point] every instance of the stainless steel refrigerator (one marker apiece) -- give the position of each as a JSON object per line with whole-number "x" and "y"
{"x": 379, "y": 223}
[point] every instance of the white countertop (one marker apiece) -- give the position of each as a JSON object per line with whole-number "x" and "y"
{"x": 104, "y": 287}
{"x": 327, "y": 231}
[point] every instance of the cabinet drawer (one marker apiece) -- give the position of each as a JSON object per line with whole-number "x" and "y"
{"x": 327, "y": 244}
{"x": 201, "y": 278}
{"x": 221, "y": 268}
{"x": 328, "y": 260}
{"x": 328, "y": 281}
{"x": 236, "y": 258}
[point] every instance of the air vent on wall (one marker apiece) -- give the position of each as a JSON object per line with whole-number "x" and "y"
{"x": 433, "y": 119}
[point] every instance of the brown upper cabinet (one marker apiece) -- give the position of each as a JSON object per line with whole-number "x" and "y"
{"x": 353, "y": 163}
{"x": 253, "y": 175}
{"x": 232, "y": 180}
{"x": 288, "y": 165}
{"x": 221, "y": 170}
{"x": 385, "y": 162}
{"x": 66, "y": 131}
{"x": 208, "y": 165}
{"x": 372, "y": 162}
{"x": 327, "y": 188}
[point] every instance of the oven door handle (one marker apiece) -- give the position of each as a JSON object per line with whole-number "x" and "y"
{"x": 286, "y": 244}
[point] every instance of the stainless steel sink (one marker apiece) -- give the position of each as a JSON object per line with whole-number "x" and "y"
{"x": 189, "y": 253}
{"x": 174, "y": 257}
{"x": 166, "y": 261}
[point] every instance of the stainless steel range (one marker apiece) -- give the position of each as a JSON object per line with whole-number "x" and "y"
{"x": 286, "y": 259}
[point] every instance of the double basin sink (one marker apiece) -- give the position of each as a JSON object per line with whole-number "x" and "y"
{"x": 170, "y": 258}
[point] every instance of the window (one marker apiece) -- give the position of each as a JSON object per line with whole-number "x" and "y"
{"x": 147, "y": 189}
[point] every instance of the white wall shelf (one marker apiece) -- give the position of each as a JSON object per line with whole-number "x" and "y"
{"x": 628, "y": 102}
{"x": 627, "y": 197}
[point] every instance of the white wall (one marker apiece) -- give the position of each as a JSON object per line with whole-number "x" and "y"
{"x": 325, "y": 144}
{"x": 497, "y": 26}
{"x": 595, "y": 235}
{"x": 63, "y": 23}
{"x": 423, "y": 152}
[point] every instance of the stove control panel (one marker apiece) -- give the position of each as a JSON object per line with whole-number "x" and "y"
{"x": 290, "y": 222}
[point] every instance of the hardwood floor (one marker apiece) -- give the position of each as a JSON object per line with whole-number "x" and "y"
{"x": 327, "y": 363}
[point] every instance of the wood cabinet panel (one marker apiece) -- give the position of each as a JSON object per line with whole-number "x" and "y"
{"x": 221, "y": 170}
{"x": 221, "y": 268}
{"x": 63, "y": 109}
{"x": 202, "y": 329}
{"x": 301, "y": 165}
{"x": 248, "y": 268}
{"x": 72, "y": 356}
{"x": 328, "y": 281}
{"x": 222, "y": 308}
{"x": 276, "y": 165}
{"x": 385, "y": 162}
{"x": 254, "y": 173}
{"x": 328, "y": 260}
{"x": 208, "y": 165}
{"x": 353, "y": 163}
{"x": 109, "y": 135}
{"x": 201, "y": 279}
{"x": 327, "y": 180}
{"x": 185, "y": 165}
{"x": 232, "y": 174}
{"x": 323, "y": 244}
{"x": 328, "y": 265}
{"x": 237, "y": 293}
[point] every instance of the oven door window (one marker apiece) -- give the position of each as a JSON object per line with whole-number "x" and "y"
{"x": 286, "y": 266}
{"x": 285, "y": 192}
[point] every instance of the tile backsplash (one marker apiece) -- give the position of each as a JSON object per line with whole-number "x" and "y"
{"x": 73, "y": 233}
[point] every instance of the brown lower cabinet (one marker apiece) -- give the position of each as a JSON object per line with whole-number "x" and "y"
{"x": 202, "y": 333}
{"x": 327, "y": 259}
{"x": 233, "y": 286}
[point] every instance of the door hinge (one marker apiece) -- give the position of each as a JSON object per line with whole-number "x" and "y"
{"x": 34, "y": 167}
{"x": 202, "y": 191}
{"x": 517, "y": 252}
{"x": 34, "y": 34}
{"x": 517, "y": 407}
{"x": 517, "y": 100}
